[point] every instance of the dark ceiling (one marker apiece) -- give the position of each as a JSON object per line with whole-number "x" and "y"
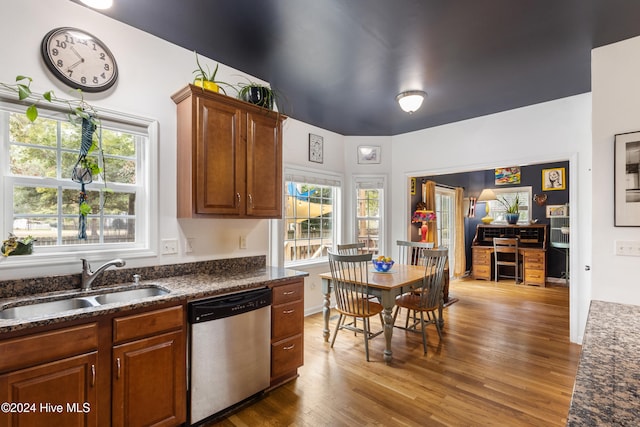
{"x": 340, "y": 63}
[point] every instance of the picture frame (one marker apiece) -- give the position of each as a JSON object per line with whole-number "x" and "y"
{"x": 413, "y": 186}
{"x": 626, "y": 179}
{"x": 316, "y": 148}
{"x": 368, "y": 154}
{"x": 557, "y": 210}
{"x": 507, "y": 176}
{"x": 553, "y": 179}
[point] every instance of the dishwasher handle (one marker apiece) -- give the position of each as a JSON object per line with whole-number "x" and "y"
{"x": 228, "y": 305}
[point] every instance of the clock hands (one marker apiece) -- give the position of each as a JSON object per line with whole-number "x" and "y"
{"x": 75, "y": 64}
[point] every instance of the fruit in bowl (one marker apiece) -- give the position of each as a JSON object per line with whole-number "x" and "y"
{"x": 382, "y": 264}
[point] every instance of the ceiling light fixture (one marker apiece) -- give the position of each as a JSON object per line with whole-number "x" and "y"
{"x": 98, "y": 4}
{"x": 411, "y": 100}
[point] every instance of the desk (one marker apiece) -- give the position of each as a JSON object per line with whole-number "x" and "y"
{"x": 386, "y": 286}
{"x": 533, "y": 264}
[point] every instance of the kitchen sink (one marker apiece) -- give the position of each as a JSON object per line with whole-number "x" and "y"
{"x": 130, "y": 294}
{"x": 44, "y": 308}
{"x": 37, "y": 308}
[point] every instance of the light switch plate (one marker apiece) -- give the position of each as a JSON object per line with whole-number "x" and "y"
{"x": 627, "y": 247}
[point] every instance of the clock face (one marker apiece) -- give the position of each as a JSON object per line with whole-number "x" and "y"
{"x": 79, "y": 59}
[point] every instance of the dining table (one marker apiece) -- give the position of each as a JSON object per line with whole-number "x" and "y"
{"x": 386, "y": 286}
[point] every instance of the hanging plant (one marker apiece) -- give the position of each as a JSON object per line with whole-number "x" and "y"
{"x": 80, "y": 112}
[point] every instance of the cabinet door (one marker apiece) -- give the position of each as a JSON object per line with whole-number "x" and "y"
{"x": 149, "y": 382}
{"x": 60, "y": 393}
{"x": 220, "y": 159}
{"x": 264, "y": 165}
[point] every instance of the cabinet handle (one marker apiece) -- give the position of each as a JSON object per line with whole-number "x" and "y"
{"x": 93, "y": 375}
{"x": 238, "y": 199}
{"x": 288, "y": 311}
{"x": 291, "y": 347}
{"x": 250, "y": 201}
{"x": 118, "y": 368}
{"x": 289, "y": 293}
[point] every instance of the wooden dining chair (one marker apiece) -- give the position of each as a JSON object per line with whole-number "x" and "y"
{"x": 505, "y": 254}
{"x": 412, "y": 253}
{"x": 429, "y": 298}
{"x": 350, "y": 283}
{"x": 351, "y": 248}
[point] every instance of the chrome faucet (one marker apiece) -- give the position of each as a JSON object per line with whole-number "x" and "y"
{"x": 89, "y": 276}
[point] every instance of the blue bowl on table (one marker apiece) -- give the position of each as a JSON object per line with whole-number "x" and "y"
{"x": 382, "y": 266}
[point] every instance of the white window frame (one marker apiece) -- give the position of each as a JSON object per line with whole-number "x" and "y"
{"x": 495, "y": 205}
{"x": 378, "y": 182}
{"x": 276, "y": 229}
{"x": 146, "y": 191}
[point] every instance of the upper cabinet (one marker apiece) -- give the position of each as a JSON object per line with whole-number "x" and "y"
{"x": 229, "y": 157}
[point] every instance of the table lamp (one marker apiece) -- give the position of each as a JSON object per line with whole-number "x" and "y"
{"x": 486, "y": 195}
{"x": 424, "y": 216}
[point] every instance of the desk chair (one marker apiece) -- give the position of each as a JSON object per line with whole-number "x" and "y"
{"x": 429, "y": 296}
{"x": 505, "y": 254}
{"x": 350, "y": 282}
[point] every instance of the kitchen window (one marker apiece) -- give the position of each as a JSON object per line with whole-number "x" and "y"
{"x": 41, "y": 199}
{"x": 311, "y": 208}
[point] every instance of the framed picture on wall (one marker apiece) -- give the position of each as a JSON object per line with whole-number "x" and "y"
{"x": 506, "y": 176}
{"x": 553, "y": 179}
{"x": 557, "y": 210}
{"x": 626, "y": 182}
{"x": 368, "y": 154}
{"x": 316, "y": 143}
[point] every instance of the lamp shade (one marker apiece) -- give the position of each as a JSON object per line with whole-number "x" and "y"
{"x": 486, "y": 195}
{"x": 422, "y": 215}
{"x": 411, "y": 100}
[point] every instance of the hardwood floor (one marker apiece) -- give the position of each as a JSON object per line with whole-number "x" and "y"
{"x": 505, "y": 360}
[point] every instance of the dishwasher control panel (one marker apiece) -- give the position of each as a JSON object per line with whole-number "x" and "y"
{"x": 228, "y": 305}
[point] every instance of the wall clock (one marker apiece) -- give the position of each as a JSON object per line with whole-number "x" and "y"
{"x": 315, "y": 148}
{"x": 79, "y": 59}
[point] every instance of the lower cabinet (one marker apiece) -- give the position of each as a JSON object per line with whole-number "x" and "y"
{"x": 118, "y": 371}
{"x": 287, "y": 331}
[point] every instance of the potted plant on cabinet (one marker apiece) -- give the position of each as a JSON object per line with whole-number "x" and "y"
{"x": 512, "y": 209}
{"x": 207, "y": 79}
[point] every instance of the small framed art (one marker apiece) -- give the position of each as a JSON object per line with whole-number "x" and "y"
{"x": 553, "y": 179}
{"x": 316, "y": 143}
{"x": 506, "y": 176}
{"x": 557, "y": 210}
{"x": 626, "y": 183}
{"x": 368, "y": 154}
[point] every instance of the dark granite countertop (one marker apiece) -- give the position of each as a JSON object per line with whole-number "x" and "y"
{"x": 181, "y": 288}
{"x": 607, "y": 387}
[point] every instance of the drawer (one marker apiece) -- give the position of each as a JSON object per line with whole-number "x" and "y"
{"x": 287, "y": 320}
{"x": 152, "y": 322}
{"x": 286, "y": 356}
{"x": 534, "y": 257}
{"x": 482, "y": 271}
{"x": 535, "y": 277}
{"x": 288, "y": 293}
{"x": 47, "y": 346}
{"x": 533, "y": 265}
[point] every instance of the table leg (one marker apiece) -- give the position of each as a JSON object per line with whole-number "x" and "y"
{"x": 388, "y": 301}
{"x": 326, "y": 309}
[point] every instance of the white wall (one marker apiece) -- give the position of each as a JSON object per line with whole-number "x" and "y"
{"x": 551, "y": 131}
{"x": 616, "y": 109}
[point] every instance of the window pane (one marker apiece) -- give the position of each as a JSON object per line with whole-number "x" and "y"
{"x": 40, "y": 132}
{"x": 120, "y": 171}
{"x": 118, "y": 143}
{"x": 70, "y": 135}
{"x": 37, "y": 162}
{"x": 43, "y": 230}
{"x": 35, "y": 200}
{"x": 119, "y": 230}
{"x": 119, "y": 203}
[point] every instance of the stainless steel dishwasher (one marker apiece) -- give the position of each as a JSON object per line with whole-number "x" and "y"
{"x": 229, "y": 351}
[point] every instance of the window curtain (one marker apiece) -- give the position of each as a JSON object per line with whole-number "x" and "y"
{"x": 460, "y": 257}
{"x": 429, "y": 197}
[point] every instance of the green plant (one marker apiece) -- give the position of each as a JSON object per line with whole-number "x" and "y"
{"x": 512, "y": 207}
{"x": 207, "y": 76}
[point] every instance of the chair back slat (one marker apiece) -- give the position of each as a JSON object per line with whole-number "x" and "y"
{"x": 350, "y": 248}
{"x": 433, "y": 282}
{"x": 412, "y": 253}
{"x": 350, "y": 282}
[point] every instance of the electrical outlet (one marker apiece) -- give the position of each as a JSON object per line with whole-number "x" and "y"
{"x": 628, "y": 248}
{"x": 243, "y": 242}
{"x": 169, "y": 246}
{"x": 188, "y": 245}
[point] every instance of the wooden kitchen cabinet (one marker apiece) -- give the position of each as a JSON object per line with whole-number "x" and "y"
{"x": 52, "y": 375}
{"x": 229, "y": 158}
{"x": 287, "y": 331}
{"x": 149, "y": 375}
